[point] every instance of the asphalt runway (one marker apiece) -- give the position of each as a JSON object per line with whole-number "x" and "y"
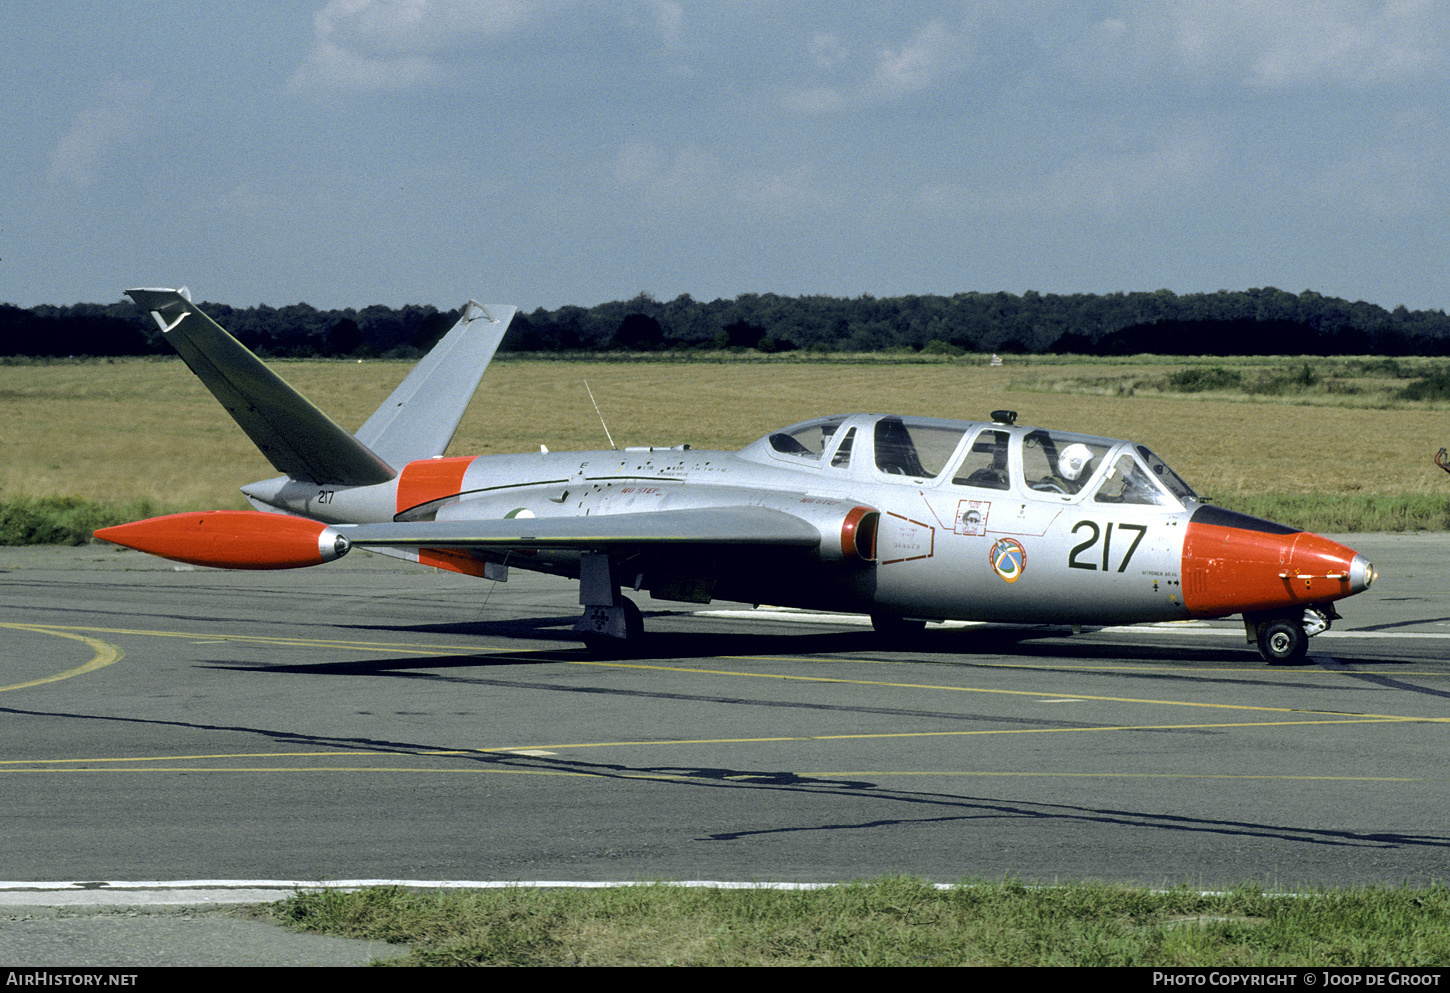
{"x": 369, "y": 719}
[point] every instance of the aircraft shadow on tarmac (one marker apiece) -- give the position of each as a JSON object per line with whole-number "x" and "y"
{"x": 1019, "y": 641}
{"x": 899, "y": 808}
{"x": 506, "y": 669}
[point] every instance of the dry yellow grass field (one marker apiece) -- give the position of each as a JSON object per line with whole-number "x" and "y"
{"x": 137, "y": 428}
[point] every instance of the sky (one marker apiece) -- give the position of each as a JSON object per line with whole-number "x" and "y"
{"x": 548, "y": 152}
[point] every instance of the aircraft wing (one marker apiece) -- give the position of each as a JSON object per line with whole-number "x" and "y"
{"x": 713, "y": 526}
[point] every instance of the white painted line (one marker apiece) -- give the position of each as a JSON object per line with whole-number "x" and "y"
{"x": 1233, "y": 628}
{"x": 815, "y": 617}
{"x": 1238, "y": 632}
{"x": 191, "y": 892}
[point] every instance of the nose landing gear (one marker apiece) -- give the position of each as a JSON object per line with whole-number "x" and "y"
{"x": 1284, "y": 638}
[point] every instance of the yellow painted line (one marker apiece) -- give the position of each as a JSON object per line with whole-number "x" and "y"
{"x": 350, "y": 753}
{"x": 1129, "y": 775}
{"x": 674, "y": 776}
{"x": 523, "y": 750}
{"x": 391, "y": 646}
{"x": 1304, "y": 669}
{"x": 106, "y": 654}
{"x": 954, "y": 734}
{"x": 348, "y": 768}
{"x": 202, "y": 758}
{"x": 1024, "y": 693}
{"x": 456, "y": 650}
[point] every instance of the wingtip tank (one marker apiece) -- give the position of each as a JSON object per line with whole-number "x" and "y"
{"x": 233, "y": 539}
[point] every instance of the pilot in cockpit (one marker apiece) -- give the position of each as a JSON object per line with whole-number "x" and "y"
{"x": 1074, "y": 467}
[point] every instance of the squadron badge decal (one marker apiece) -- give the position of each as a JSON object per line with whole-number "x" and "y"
{"x": 1009, "y": 559}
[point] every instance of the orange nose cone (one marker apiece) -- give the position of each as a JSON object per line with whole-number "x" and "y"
{"x": 232, "y": 539}
{"x": 1234, "y": 563}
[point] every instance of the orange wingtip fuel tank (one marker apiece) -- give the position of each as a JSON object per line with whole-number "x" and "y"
{"x": 233, "y": 539}
{"x": 1234, "y": 563}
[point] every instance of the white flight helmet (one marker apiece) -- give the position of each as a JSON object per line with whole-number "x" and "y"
{"x": 1073, "y": 462}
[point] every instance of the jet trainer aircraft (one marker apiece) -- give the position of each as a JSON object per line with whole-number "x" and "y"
{"x": 907, "y": 519}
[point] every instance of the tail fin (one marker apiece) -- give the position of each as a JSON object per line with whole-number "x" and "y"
{"x": 419, "y": 419}
{"x": 297, "y": 438}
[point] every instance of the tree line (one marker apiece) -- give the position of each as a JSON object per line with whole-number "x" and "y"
{"x": 1265, "y": 321}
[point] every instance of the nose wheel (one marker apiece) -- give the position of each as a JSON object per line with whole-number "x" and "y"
{"x": 1284, "y": 637}
{"x": 1281, "y": 640}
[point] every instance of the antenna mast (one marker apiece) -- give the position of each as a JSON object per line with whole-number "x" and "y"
{"x": 612, "y": 445}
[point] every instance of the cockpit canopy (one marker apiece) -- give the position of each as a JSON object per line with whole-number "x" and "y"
{"x": 1043, "y": 464}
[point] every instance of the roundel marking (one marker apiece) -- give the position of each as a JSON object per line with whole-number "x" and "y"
{"x": 1008, "y": 558}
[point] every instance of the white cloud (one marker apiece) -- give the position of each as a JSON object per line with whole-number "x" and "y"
{"x": 827, "y": 50}
{"x": 695, "y": 178}
{"x": 1266, "y": 44}
{"x": 83, "y": 149}
{"x": 778, "y": 192}
{"x": 815, "y": 100}
{"x": 1350, "y": 42}
{"x": 669, "y": 20}
{"x": 1397, "y": 175}
{"x": 397, "y": 44}
{"x": 250, "y": 201}
{"x": 394, "y": 44}
{"x": 689, "y": 176}
{"x": 1109, "y": 185}
{"x": 1113, "y": 184}
{"x": 933, "y": 55}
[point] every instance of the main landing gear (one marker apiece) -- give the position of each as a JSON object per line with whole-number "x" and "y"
{"x": 610, "y": 631}
{"x": 1284, "y": 638}
{"x": 611, "y": 621}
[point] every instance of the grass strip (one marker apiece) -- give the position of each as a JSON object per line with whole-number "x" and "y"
{"x": 1338, "y": 513}
{"x": 52, "y": 520}
{"x": 890, "y": 922}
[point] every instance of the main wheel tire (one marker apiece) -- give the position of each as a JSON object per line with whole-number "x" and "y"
{"x": 1282, "y": 640}
{"x": 633, "y": 619}
{"x": 607, "y": 647}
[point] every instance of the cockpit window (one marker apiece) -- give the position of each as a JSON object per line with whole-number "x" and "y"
{"x": 906, "y": 448}
{"x": 985, "y": 462}
{"x": 1060, "y": 463}
{"x": 842, "y": 458}
{"x": 1170, "y": 479}
{"x": 1128, "y": 482}
{"x": 807, "y": 441}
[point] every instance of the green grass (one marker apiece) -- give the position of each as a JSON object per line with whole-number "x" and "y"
{"x": 1434, "y": 386}
{"x": 891, "y": 922}
{"x": 26, "y": 520}
{"x": 1347, "y": 513}
{"x": 1327, "y": 444}
{"x": 1340, "y": 381}
{"x": 1198, "y": 379}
